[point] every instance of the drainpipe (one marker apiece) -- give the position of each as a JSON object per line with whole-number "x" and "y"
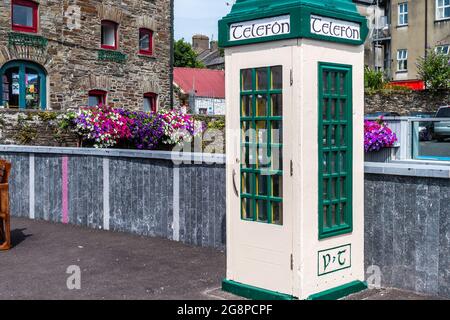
{"x": 426, "y": 27}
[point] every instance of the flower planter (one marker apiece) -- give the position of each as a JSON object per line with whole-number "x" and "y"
{"x": 384, "y": 155}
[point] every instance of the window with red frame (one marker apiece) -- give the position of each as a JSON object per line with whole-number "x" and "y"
{"x": 146, "y": 41}
{"x": 109, "y": 35}
{"x": 24, "y": 16}
{"x": 150, "y": 102}
{"x": 96, "y": 98}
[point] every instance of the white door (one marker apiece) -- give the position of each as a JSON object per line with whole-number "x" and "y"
{"x": 259, "y": 210}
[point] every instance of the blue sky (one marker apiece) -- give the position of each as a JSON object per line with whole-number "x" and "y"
{"x": 198, "y": 16}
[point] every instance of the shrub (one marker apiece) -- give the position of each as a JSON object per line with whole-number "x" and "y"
{"x": 434, "y": 70}
{"x": 377, "y": 135}
{"x": 373, "y": 79}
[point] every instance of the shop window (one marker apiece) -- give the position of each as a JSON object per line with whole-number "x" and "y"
{"x": 24, "y": 16}
{"x": 335, "y": 150}
{"x": 442, "y": 9}
{"x": 403, "y": 14}
{"x": 150, "y": 102}
{"x": 23, "y": 85}
{"x": 402, "y": 60}
{"x": 97, "y": 98}
{"x": 146, "y": 42}
{"x": 109, "y": 35}
{"x": 262, "y": 145}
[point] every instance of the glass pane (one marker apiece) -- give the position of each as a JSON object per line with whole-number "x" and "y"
{"x": 261, "y": 132}
{"x": 23, "y": 15}
{"x": 333, "y": 108}
{"x": 277, "y": 212}
{"x": 247, "y": 80}
{"x": 11, "y": 88}
{"x": 342, "y": 83}
{"x": 342, "y": 109}
{"x": 247, "y": 208}
{"x": 277, "y": 105}
{"x": 333, "y": 82}
{"x": 32, "y": 89}
{"x": 263, "y": 157}
{"x": 246, "y": 183}
{"x": 277, "y": 159}
{"x": 277, "y": 77}
{"x": 325, "y": 81}
{"x": 343, "y": 134}
{"x": 325, "y": 109}
{"x": 245, "y": 156}
{"x": 93, "y": 101}
{"x": 261, "y": 105}
{"x": 144, "y": 40}
{"x": 261, "y": 185}
{"x": 261, "y": 79}
{"x": 342, "y": 164}
{"x": 325, "y": 136}
{"x": 277, "y": 132}
{"x": 333, "y": 214}
{"x": 325, "y": 162}
{"x": 261, "y": 208}
{"x": 343, "y": 208}
{"x": 247, "y": 134}
{"x": 342, "y": 187}
{"x": 333, "y": 136}
{"x": 109, "y": 35}
{"x": 333, "y": 189}
{"x": 246, "y": 107}
{"x": 277, "y": 186}
{"x": 325, "y": 216}
{"x": 325, "y": 189}
{"x": 332, "y": 162}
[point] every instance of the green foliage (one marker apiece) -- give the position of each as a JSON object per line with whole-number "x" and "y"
{"x": 26, "y": 134}
{"x": 47, "y": 116}
{"x": 434, "y": 70}
{"x": 185, "y": 56}
{"x": 373, "y": 80}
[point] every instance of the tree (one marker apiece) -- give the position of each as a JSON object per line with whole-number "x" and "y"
{"x": 185, "y": 56}
{"x": 434, "y": 70}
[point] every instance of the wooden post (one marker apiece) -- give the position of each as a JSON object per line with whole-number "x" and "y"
{"x": 5, "y": 218}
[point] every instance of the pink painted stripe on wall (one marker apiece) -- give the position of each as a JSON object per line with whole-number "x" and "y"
{"x": 65, "y": 190}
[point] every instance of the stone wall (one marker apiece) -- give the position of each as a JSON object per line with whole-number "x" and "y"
{"x": 34, "y": 128}
{"x": 407, "y": 231}
{"x": 404, "y": 102}
{"x": 139, "y": 192}
{"x": 71, "y": 57}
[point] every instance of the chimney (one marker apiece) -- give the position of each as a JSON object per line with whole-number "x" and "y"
{"x": 200, "y": 43}
{"x": 214, "y": 45}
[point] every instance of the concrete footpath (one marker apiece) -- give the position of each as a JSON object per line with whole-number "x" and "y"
{"x": 117, "y": 266}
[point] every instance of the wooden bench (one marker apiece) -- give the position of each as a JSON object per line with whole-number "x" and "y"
{"x": 5, "y": 224}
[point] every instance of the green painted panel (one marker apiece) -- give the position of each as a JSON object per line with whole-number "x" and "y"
{"x": 335, "y": 141}
{"x": 253, "y": 293}
{"x": 340, "y": 292}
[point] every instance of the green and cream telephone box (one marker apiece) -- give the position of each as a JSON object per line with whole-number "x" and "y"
{"x": 295, "y": 161}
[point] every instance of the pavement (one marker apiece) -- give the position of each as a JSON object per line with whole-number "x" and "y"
{"x": 117, "y": 266}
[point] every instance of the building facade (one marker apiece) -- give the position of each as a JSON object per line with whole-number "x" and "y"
{"x": 402, "y": 31}
{"x": 56, "y": 55}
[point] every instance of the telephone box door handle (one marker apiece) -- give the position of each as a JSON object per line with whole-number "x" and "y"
{"x": 234, "y": 183}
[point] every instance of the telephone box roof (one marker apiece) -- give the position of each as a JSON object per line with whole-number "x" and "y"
{"x": 249, "y": 15}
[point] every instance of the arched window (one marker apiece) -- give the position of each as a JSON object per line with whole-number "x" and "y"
{"x": 150, "y": 102}
{"x": 146, "y": 41}
{"x": 23, "y": 85}
{"x": 97, "y": 98}
{"x": 109, "y": 35}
